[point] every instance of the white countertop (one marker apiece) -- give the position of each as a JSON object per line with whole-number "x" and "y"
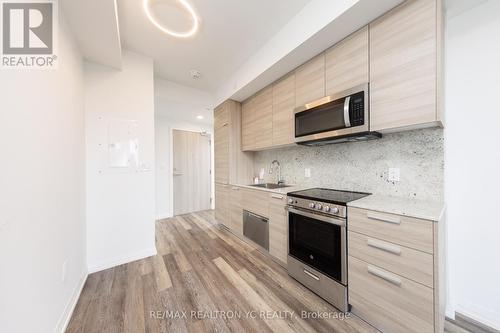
{"x": 427, "y": 210}
{"x": 283, "y": 190}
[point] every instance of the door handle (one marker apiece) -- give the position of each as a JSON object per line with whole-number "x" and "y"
{"x": 384, "y": 275}
{"x": 383, "y": 218}
{"x": 384, "y": 246}
{"x": 311, "y": 275}
{"x": 347, "y": 120}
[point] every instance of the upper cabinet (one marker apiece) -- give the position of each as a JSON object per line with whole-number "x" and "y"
{"x": 283, "y": 111}
{"x": 404, "y": 65}
{"x": 347, "y": 63}
{"x": 310, "y": 81}
{"x": 221, "y": 143}
{"x": 263, "y": 114}
{"x": 257, "y": 117}
{"x": 231, "y": 165}
{"x": 399, "y": 55}
{"x": 248, "y": 124}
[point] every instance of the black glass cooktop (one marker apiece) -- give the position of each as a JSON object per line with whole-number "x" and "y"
{"x": 328, "y": 195}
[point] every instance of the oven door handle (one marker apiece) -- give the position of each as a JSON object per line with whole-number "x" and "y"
{"x": 332, "y": 220}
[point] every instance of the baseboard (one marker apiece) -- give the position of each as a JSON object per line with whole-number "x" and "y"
{"x": 472, "y": 324}
{"x": 122, "y": 260}
{"x": 63, "y": 322}
{"x": 163, "y": 216}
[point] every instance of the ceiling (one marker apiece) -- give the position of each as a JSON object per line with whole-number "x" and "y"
{"x": 95, "y": 25}
{"x": 230, "y": 32}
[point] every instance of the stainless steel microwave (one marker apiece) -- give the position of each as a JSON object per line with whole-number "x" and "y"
{"x": 337, "y": 118}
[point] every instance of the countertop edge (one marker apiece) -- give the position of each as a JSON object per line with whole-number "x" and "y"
{"x": 434, "y": 212}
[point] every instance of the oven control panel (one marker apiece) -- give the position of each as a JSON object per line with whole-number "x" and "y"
{"x": 318, "y": 206}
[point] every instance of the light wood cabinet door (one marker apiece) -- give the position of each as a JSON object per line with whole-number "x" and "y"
{"x": 222, "y": 204}
{"x": 278, "y": 229}
{"x": 255, "y": 201}
{"x": 235, "y": 210}
{"x": 263, "y": 124}
{"x": 283, "y": 111}
{"x": 221, "y": 144}
{"x": 409, "y": 263}
{"x": 388, "y": 301}
{"x": 310, "y": 81}
{"x": 347, "y": 62}
{"x": 248, "y": 127}
{"x": 403, "y": 230}
{"x": 403, "y": 66}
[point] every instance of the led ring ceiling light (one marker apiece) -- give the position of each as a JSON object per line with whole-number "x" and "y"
{"x": 181, "y": 34}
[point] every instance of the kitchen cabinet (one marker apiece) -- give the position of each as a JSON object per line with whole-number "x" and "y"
{"x": 346, "y": 63}
{"x": 394, "y": 258}
{"x": 278, "y": 229}
{"x": 222, "y": 203}
{"x": 263, "y": 122}
{"x": 231, "y": 164}
{"x": 257, "y": 117}
{"x": 255, "y": 201}
{"x": 283, "y": 128}
{"x": 405, "y": 67}
{"x": 248, "y": 124}
{"x": 221, "y": 144}
{"x": 310, "y": 81}
{"x": 235, "y": 211}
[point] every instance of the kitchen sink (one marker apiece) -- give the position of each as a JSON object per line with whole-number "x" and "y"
{"x": 269, "y": 185}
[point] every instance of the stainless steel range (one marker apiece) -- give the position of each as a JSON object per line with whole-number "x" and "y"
{"x": 317, "y": 241}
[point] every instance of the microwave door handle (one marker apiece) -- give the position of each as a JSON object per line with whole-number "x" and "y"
{"x": 347, "y": 119}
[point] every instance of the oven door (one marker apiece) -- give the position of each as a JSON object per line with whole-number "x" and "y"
{"x": 318, "y": 241}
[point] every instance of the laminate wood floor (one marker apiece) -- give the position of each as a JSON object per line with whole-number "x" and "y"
{"x": 204, "y": 279}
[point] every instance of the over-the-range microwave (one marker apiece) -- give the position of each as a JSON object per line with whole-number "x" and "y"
{"x": 342, "y": 117}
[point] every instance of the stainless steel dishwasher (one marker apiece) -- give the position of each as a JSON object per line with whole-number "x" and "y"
{"x": 256, "y": 228}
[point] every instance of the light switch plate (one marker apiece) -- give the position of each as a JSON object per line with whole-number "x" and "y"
{"x": 307, "y": 173}
{"x": 394, "y": 175}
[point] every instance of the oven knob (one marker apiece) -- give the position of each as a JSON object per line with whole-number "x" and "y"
{"x": 319, "y": 206}
{"x": 335, "y": 210}
{"x": 312, "y": 205}
{"x": 290, "y": 201}
{"x": 326, "y": 209}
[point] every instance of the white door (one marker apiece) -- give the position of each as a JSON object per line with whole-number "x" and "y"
{"x": 191, "y": 171}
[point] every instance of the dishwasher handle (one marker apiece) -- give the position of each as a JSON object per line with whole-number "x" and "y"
{"x": 263, "y": 219}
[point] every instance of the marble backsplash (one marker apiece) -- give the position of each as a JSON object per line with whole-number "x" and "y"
{"x": 364, "y": 166}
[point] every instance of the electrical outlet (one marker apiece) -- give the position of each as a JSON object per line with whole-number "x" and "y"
{"x": 394, "y": 175}
{"x": 63, "y": 271}
{"x": 307, "y": 173}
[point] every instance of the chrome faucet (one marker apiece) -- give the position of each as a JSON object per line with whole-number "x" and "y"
{"x": 280, "y": 181}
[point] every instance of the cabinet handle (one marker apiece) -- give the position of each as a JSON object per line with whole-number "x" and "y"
{"x": 225, "y": 124}
{"x": 384, "y": 275}
{"x": 384, "y": 218}
{"x": 276, "y": 196}
{"x": 235, "y": 188}
{"x": 311, "y": 275}
{"x": 384, "y": 246}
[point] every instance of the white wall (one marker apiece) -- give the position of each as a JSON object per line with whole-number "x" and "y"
{"x": 472, "y": 157}
{"x": 42, "y": 199}
{"x": 120, "y": 205}
{"x": 176, "y": 107}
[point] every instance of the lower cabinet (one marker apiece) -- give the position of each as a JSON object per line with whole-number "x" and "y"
{"x": 278, "y": 229}
{"x": 222, "y": 203}
{"x": 393, "y": 281}
{"x": 230, "y": 201}
{"x": 235, "y": 223}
